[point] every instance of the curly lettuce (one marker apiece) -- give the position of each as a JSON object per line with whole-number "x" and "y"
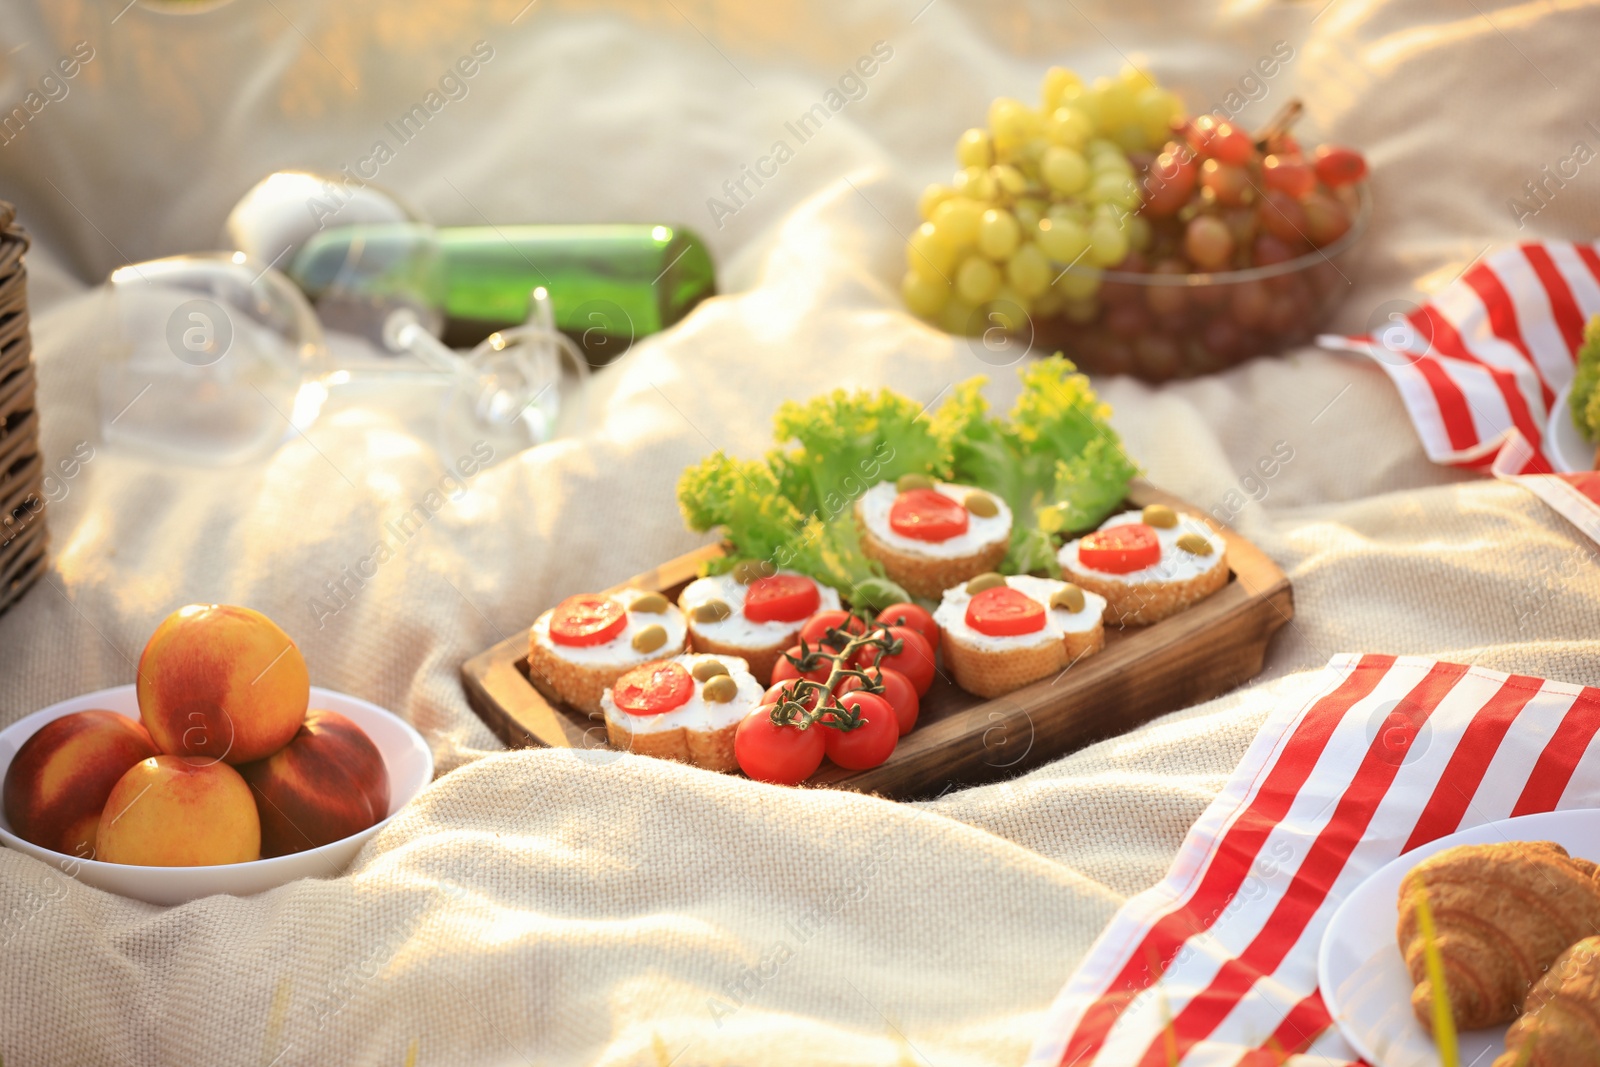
{"x": 1055, "y": 461}
{"x": 794, "y": 510}
{"x": 742, "y": 497}
{"x": 835, "y": 447}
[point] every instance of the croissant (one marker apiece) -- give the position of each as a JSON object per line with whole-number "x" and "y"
{"x": 1560, "y": 1024}
{"x": 1502, "y": 914}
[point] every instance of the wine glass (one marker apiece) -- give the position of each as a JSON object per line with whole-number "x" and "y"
{"x": 508, "y": 391}
{"x": 212, "y": 358}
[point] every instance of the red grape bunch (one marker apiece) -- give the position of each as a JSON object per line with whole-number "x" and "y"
{"x": 1219, "y": 200}
{"x": 1114, "y": 177}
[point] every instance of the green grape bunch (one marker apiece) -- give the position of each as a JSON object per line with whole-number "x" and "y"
{"x": 1040, "y": 190}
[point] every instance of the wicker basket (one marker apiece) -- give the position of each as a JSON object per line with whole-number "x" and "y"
{"x": 23, "y": 537}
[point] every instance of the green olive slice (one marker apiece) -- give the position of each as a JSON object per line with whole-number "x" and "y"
{"x": 986, "y": 580}
{"x": 1068, "y": 598}
{"x": 650, "y": 638}
{"x": 1159, "y": 515}
{"x": 908, "y": 482}
{"x": 711, "y": 611}
{"x": 747, "y": 571}
{"x": 981, "y": 504}
{"x": 708, "y": 669}
{"x": 650, "y": 604}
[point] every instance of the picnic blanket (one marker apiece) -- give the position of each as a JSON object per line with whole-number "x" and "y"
{"x": 556, "y": 908}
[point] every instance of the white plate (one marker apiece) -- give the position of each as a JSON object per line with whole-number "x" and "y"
{"x": 1362, "y": 974}
{"x": 1565, "y": 447}
{"x": 405, "y": 755}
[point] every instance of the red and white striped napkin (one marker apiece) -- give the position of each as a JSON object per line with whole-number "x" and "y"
{"x": 1479, "y": 365}
{"x": 1217, "y": 964}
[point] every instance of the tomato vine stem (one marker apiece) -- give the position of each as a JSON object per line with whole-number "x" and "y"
{"x": 793, "y": 711}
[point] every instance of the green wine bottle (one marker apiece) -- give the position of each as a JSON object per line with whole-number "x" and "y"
{"x": 609, "y": 284}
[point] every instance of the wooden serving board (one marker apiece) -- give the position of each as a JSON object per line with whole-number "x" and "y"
{"x": 961, "y": 739}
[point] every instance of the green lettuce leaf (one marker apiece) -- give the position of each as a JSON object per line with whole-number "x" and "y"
{"x": 835, "y": 447}
{"x": 1056, "y": 462}
{"x": 1586, "y": 384}
{"x": 743, "y": 498}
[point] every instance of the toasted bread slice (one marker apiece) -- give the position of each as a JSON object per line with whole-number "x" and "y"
{"x": 1180, "y": 578}
{"x": 992, "y": 673}
{"x": 710, "y": 749}
{"x": 577, "y": 684}
{"x": 760, "y": 660}
{"x": 765, "y": 642}
{"x": 700, "y": 732}
{"x": 924, "y": 577}
{"x": 1143, "y": 603}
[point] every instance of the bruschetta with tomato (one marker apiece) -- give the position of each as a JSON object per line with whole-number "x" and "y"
{"x": 931, "y": 536}
{"x": 1148, "y": 564}
{"x": 585, "y": 643}
{"x": 751, "y": 615}
{"x": 1001, "y": 633}
{"x": 686, "y": 708}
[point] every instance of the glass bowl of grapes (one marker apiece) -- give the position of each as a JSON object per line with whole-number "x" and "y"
{"x": 1110, "y": 225}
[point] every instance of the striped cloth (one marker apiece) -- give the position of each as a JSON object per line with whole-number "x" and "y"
{"x": 1479, "y": 365}
{"x": 1575, "y": 496}
{"x": 1216, "y": 965}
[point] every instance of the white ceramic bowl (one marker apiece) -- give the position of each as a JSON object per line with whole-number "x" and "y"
{"x": 405, "y": 755}
{"x": 1564, "y": 446}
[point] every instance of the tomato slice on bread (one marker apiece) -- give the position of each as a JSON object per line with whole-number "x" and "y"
{"x": 586, "y": 619}
{"x": 927, "y": 515}
{"x": 1005, "y": 612}
{"x": 1120, "y": 549}
{"x": 781, "y": 598}
{"x": 654, "y": 689}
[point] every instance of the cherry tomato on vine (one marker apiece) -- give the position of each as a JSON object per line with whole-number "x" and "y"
{"x": 778, "y": 692}
{"x": 815, "y": 631}
{"x": 897, "y": 690}
{"x": 787, "y": 665}
{"x": 914, "y": 617}
{"x": 870, "y": 743}
{"x": 914, "y": 660}
{"x": 780, "y": 754}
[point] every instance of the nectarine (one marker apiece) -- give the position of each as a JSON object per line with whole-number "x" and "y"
{"x": 221, "y": 681}
{"x": 180, "y": 811}
{"x": 60, "y": 777}
{"x": 327, "y": 783}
